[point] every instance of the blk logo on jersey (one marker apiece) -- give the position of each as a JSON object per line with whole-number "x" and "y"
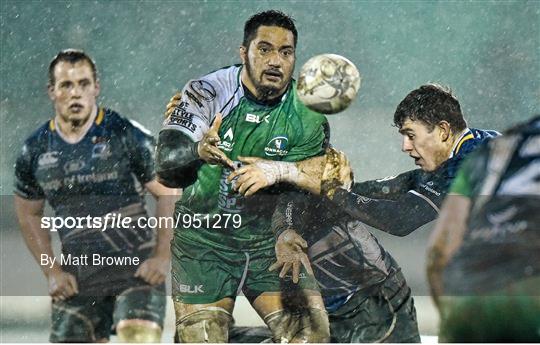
{"x": 256, "y": 118}
{"x": 277, "y": 146}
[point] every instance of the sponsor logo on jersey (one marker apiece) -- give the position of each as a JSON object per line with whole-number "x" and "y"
{"x": 74, "y": 166}
{"x": 256, "y": 118}
{"x": 48, "y": 159}
{"x": 227, "y": 143}
{"x": 228, "y": 200}
{"x": 181, "y": 117}
{"x": 277, "y": 146}
{"x": 193, "y": 98}
{"x": 501, "y": 226}
{"x": 101, "y": 150}
{"x": 427, "y": 187}
{"x": 203, "y": 89}
{"x": 190, "y": 289}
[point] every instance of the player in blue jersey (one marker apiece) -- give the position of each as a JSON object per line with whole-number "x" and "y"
{"x": 89, "y": 164}
{"x": 365, "y": 293}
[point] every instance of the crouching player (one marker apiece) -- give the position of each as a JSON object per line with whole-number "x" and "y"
{"x": 365, "y": 292}
{"x": 90, "y": 161}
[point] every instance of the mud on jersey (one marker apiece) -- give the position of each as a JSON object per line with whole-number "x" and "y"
{"x": 501, "y": 245}
{"x": 285, "y": 131}
{"x": 100, "y": 174}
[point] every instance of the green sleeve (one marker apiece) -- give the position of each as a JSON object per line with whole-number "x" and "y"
{"x": 461, "y": 184}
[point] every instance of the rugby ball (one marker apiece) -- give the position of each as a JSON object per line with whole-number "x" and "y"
{"x": 328, "y": 83}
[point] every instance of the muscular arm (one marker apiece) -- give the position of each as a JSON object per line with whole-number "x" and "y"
{"x": 398, "y": 217}
{"x": 38, "y": 241}
{"x": 177, "y": 160}
{"x": 61, "y": 284}
{"x": 154, "y": 270}
{"x": 446, "y": 239}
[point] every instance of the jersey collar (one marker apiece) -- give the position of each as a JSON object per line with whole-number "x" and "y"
{"x": 464, "y": 136}
{"x": 98, "y": 120}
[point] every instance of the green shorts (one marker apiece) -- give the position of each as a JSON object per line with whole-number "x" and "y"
{"x": 212, "y": 275}
{"x": 511, "y": 315}
{"x": 491, "y": 319}
{"x": 84, "y": 318}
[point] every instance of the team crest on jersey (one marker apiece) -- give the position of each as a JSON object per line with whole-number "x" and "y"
{"x": 277, "y": 146}
{"x": 74, "y": 166}
{"x": 101, "y": 150}
{"x": 48, "y": 160}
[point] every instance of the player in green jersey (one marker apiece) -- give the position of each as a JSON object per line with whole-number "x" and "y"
{"x": 484, "y": 255}
{"x": 223, "y": 243}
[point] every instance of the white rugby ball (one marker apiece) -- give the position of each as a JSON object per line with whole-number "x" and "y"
{"x": 328, "y": 83}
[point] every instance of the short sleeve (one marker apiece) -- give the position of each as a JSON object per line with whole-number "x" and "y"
{"x": 196, "y": 110}
{"x": 141, "y": 148}
{"x": 313, "y": 143}
{"x": 26, "y": 185}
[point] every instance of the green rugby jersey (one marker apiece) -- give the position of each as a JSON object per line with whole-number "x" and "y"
{"x": 284, "y": 131}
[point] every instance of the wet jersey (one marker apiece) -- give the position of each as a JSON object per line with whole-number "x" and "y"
{"x": 346, "y": 258}
{"x": 100, "y": 174}
{"x": 501, "y": 245}
{"x": 400, "y": 204}
{"x": 285, "y": 130}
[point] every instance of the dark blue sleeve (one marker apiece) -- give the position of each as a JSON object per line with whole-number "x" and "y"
{"x": 140, "y": 145}
{"x": 399, "y": 217}
{"x": 391, "y": 187}
{"x": 26, "y": 185}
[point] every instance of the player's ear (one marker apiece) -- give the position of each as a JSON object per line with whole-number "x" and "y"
{"x": 50, "y": 91}
{"x": 445, "y": 130}
{"x": 98, "y": 87}
{"x": 243, "y": 54}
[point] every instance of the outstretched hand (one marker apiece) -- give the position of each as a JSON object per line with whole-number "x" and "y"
{"x": 173, "y": 103}
{"x": 290, "y": 254}
{"x": 208, "y": 146}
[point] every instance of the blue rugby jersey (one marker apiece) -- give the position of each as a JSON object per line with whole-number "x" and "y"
{"x": 102, "y": 173}
{"x": 400, "y": 204}
{"x": 346, "y": 258}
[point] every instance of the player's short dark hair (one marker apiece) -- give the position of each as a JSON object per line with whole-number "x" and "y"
{"x": 72, "y": 56}
{"x": 431, "y": 103}
{"x": 268, "y": 18}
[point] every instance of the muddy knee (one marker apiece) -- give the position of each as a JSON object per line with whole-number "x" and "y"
{"x": 299, "y": 326}
{"x": 208, "y": 325}
{"x": 138, "y": 331}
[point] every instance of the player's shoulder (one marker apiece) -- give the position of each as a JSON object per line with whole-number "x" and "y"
{"x": 303, "y": 114}
{"x": 40, "y": 136}
{"x": 119, "y": 123}
{"x": 482, "y": 134}
{"x": 216, "y": 86}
